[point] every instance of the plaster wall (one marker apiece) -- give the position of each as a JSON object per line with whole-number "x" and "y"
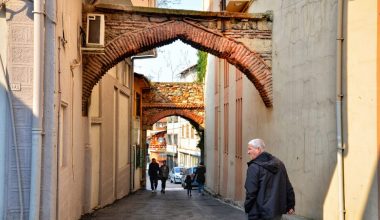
{"x": 209, "y": 97}
{"x": 109, "y": 152}
{"x": 300, "y": 129}
{"x": 70, "y": 123}
{"x": 17, "y": 56}
{"x": 361, "y": 156}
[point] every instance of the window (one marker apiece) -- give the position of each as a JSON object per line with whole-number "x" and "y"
{"x": 226, "y": 74}
{"x": 63, "y": 135}
{"x": 161, "y": 140}
{"x": 174, "y": 119}
{"x": 187, "y": 131}
{"x": 169, "y": 140}
{"x": 175, "y": 139}
{"x": 192, "y": 133}
{"x": 138, "y": 104}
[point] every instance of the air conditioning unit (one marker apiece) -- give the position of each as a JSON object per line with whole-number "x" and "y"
{"x": 95, "y": 30}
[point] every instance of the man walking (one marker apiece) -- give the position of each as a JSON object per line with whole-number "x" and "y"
{"x": 269, "y": 193}
{"x": 153, "y": 174}
{"x": 164, "y": 174}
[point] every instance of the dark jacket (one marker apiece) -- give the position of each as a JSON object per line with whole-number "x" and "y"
{"x": 188, "y": 182}
{"x": 153, "y": 169}
{"x": 269, "y": 192}
{"x": 164, "y": 171}
{"x": 200, "y": 174}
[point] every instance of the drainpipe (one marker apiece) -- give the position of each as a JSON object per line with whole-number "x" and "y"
{"x": 339, "y": 98}
{"x": 37, "y": 129}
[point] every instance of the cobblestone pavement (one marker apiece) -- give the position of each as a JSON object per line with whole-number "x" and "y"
{"x": 174, "y": 204}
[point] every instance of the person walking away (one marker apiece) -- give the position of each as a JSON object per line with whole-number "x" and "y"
{"x": 164, "y": 174}
{"x": 200, "y": 177}
{"x": 269, "y": 193}
{"x": 188, "y": 185}
{"x": 153, "y": 174}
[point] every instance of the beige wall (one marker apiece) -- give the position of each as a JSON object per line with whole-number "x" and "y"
{"x": 109, "y": 161}
{"x": 300, "y": 129}
{"x": 71, "y": 138}
{"x": 361, "y": 176}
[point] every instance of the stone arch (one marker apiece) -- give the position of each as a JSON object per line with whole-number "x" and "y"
{"x": 196, "y": 120}
{"x": 132, "y": 43}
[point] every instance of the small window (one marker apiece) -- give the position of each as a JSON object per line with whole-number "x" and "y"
{"x": 138, "y": 105}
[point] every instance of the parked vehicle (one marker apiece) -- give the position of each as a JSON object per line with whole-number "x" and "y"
{"x": 175, "y": 174}
{"x": 189, "y": 171}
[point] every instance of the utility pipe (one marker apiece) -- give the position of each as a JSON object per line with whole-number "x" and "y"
{"x": 339, "y": 98}
{"x": 37, "y": 128}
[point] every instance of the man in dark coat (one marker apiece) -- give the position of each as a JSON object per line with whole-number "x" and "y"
{"x": 153, "y": 172}
{"x": 269, "y": 193}
{"x": 200, "y": 177}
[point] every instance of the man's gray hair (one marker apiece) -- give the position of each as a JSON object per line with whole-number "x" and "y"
{"x": 257, "y": 143}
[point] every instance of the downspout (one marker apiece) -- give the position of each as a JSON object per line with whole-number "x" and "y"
{"x": 38, "y": 95}
{"x": 339, "y": 98}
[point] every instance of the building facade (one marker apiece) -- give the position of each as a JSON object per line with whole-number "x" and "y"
{"x": 55, "y": 162}
{"x": 182, "y": 136}
{"x": 303, "y": 126}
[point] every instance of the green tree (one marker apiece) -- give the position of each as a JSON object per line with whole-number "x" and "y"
{"x": 201, "y": 66}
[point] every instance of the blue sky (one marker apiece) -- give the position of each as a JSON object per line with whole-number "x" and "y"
{"x": 173, "y": 58}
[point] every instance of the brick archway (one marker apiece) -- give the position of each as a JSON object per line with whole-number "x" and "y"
{"x": 173, "y": 99}
{"x": 196, "y": 120}
{"x": 162, "y": 27}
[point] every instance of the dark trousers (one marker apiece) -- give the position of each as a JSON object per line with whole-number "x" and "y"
{"x": 189, "y": 188}
{"x": 153, "y": 182}
{"x": 163, "y": 183}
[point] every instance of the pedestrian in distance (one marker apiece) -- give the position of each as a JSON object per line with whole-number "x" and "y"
{"x": 188, "y": 186}
{"x": 200, "y": 177}
{"x": 269, "y": 193}
{"x": 153, "y": 172}
{"x": 164, "y": 174}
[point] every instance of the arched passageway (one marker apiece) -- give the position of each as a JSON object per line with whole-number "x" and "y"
{"x": 186, "y": 100}
{"x": 244, "y": 40}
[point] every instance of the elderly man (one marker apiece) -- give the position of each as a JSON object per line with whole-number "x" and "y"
{"x": 269, "y": 193}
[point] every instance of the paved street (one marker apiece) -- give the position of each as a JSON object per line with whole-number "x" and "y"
{"x": 174, "y": 204}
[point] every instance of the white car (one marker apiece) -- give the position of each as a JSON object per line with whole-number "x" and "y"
{"x": 175, "y": 175}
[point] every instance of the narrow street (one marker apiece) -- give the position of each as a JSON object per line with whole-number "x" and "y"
{"x": 174, "y": 204}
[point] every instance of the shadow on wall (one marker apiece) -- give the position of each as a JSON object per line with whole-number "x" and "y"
{"x": 16, "y": 153}
{"x": 28, "y": 6}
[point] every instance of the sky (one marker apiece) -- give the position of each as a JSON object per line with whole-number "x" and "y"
{"x": 173, "y": 58}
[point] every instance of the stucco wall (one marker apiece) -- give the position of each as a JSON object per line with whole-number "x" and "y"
{"x": 18, "y": 52}
{"x": 71, "y": 147}
{"x": 108, "y": 153}
{"x": 300, "y": 129}
{"x": 361, "y": 176}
